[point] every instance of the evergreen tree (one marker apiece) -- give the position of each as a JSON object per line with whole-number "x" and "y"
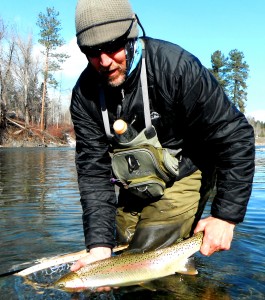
{"x": 219, "y": 61}
{"x": 237, "y": 73}
{"x": 50, "y": 39}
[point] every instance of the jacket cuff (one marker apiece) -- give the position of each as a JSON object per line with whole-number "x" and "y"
{"x": 89, "y": 247}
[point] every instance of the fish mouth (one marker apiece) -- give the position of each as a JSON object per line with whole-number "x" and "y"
{"x": 65, "y": 288}
{"x": 70, "y": 282}
{"x": 73, "y": 290}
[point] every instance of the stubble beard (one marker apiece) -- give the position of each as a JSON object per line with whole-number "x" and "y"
{"x": 117, "y": 80}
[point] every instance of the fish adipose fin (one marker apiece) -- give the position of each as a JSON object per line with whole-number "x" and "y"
{"x": 188, "y": 267}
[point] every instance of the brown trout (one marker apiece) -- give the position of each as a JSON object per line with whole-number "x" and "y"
{"x": 134, "y": 268}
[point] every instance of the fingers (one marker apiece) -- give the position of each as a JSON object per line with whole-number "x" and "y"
{"x": 200, "y": 226}
{"x": 79, "y": 264}
{"x": 94, "y": 255}
{"x": 218, "y": 235}
{"x": 213, "y": 244}
{"x": 103, "y": 289}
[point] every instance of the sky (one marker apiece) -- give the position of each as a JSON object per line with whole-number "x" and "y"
{"x": 201, "y": 27}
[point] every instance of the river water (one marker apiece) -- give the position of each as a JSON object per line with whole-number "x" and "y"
{"x": 40, "y": 216}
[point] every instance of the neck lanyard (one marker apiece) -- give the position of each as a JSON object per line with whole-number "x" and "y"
{"x": 147, "y": 117}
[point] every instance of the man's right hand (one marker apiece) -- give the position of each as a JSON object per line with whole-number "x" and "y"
{"x": 94, "y": 254}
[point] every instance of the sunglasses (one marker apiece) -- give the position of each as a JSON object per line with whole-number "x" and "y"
{"x": 108, "y": 47}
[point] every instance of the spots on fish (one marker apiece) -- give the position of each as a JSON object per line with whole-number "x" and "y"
{"x": 130, "y": 268}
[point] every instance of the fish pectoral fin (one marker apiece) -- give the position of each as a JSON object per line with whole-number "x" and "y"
{"x": 148, "y": 285}
{"x": 188, "y": 267}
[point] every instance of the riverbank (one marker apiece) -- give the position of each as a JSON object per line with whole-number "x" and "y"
{"x": 27, "y": 137}
{"x": 36, "y": 144}
{"x": 260, "y": 141}
{"x": 67, "y": 141}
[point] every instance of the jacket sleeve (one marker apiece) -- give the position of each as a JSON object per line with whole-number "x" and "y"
{"x": 218, "y": 135}
{"x": 94, "y": 170}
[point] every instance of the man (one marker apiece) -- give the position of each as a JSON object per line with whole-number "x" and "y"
{"x": 189, "y": 111}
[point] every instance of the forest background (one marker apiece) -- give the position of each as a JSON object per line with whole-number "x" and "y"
{"x": 33, "y": 100}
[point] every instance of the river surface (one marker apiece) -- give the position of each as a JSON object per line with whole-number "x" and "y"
{"x": 40, "y": 216}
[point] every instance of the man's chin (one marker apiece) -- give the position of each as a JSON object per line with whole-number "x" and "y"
{"x": 115, "y": 82}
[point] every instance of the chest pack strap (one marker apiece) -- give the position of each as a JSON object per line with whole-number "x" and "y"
{"x": 144, "y": 86}
{"x": 147, "y": 116}
{"x": 104, "y": 112}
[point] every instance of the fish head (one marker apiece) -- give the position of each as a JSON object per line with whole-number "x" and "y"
{"x": 70, "y": 282}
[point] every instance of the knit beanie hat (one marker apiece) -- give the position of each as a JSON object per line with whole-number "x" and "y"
{"x": 100, "y": 21}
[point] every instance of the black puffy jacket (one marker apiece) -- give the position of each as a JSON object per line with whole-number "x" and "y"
{"x": 190, "y": 111}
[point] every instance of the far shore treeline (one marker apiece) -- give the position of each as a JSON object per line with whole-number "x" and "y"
{"x": 28, "y": 109}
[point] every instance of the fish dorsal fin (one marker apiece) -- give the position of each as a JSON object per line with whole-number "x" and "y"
{"x": 187, "y": 267}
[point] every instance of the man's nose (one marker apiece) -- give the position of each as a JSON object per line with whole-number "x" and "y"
{"x": 105, "y": 59}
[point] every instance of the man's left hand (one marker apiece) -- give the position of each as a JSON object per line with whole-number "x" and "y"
{"x": 218, "y": 235}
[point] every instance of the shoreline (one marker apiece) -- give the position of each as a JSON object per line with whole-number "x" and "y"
{"x": 68, "y": 145}
{"x": 260, "y": 141}
{"x": 70, "y": 142}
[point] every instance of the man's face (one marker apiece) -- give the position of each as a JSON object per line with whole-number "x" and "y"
{"x": 111, "y": 66}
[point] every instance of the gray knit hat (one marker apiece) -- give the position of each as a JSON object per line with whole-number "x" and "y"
{"x": 100, "y": 21}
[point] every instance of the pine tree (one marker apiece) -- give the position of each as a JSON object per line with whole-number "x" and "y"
{"x": 237, "y": 74}
{"x": 50, "y": 39}
{"x": 232, "y": 73}
{"x": 219, "y": 61}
